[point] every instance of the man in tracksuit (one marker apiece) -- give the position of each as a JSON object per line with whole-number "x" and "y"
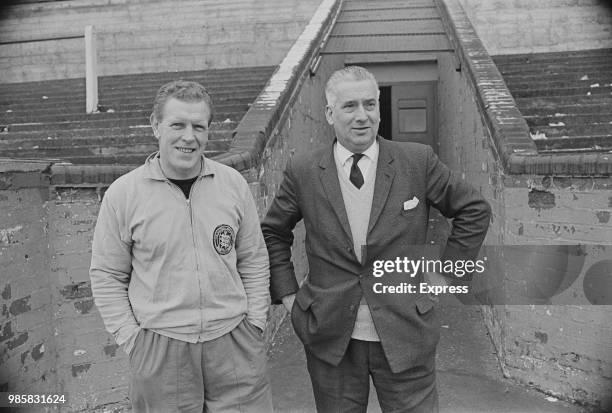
{"x": 179, "y": 270}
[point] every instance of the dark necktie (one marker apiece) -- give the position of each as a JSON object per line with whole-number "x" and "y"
{"x": 356, "y": 177}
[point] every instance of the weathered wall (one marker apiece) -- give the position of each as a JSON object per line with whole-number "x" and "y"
{"x": 467, "y": 148}
{"x": 27, "y": 338}
{"x": 465, "y": 142}
{"x": 525, "y": 26}
{"x": 305, "y": 128}
{"x": 91, "y": 369}
{"x": 562, "y": 349}
{"x": 148, "y": 35}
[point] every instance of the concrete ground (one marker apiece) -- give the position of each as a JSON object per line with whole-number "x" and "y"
{"x": 469, "y": 377}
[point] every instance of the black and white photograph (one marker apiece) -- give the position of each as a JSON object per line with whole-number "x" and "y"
{"x": 306, "y": 206}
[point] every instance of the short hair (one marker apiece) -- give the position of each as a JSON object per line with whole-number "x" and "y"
{"x": 184, "y": 90}
{"x": 356, "y": 73}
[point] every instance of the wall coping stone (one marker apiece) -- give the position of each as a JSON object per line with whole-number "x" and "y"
{"x": 18, "y": 174}
{"x": 513, "y": 144}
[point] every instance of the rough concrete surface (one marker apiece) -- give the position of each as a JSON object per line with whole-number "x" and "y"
{"x": 469, "y": 378}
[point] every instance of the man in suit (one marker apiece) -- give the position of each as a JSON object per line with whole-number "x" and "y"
{"x": 364, "y": 200}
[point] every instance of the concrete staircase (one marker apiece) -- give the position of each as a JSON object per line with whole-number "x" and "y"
{"x": 47, "y": 119}
{"x": 566, "y": 98}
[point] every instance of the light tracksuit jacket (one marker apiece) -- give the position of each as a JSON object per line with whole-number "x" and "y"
{"x": 189, "y": 269}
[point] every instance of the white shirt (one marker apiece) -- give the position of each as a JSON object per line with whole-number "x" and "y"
{"x": 343, "y": 157}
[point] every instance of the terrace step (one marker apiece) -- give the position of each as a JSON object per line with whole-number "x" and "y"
{"x": 571, "y": 130}
{"x": 570, "y": 119}
{"x": 553, "y": 56}
{"x": 601, "y": 143}
{"x": 9, "y": 102}
{"x": 155, "y": 80}
{"x": 57, "y": 127}
{"x": 103, "y": 149}
{"x": 129, "y": 159}
{"x": 565, "y": 103}
{"x": 106, "y": 120}
{"x": 95, "y": 133}
{"x": 77, "y": 109}
{"x": 566, "y": 98}
{"x": 576, "y": 91}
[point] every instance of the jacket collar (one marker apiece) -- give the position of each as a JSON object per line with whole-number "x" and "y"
{"x": 385, "y": 154}
{"x": 154, "y": 171}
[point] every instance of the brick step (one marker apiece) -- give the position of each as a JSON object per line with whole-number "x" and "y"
{"x": 559, "y": 64}
{"x": 118, "y": 91}
{"x": 593, "y": 76}
{"x": 539, "y": 57}
{"x": 554, "y": 56}
{"x": 560, "y": 102}
{"x": 570, "y": 130}
{"x": 7, "y": 138}
{"x": 63, "y": 141}
{"x": 209, "y": 76}
{"x": 128, "y": 159}
{"x": 95, "y": 148}
{"x": 573, "y": 119}
{"x": 72, "y": 115}
{"x": 550, "y": 82}
{"x": 126, "y": 103}
{"x": 553, "y": 111}
{"x": 206, "y": 76}
{"x": 575, "y": 144}
{"x": 150, "y": 89}
{"x": 67, "y": 151}
{"x": 210, "y": 83}
{"x": 9, "y": 101}
{"x": 570, "y": 91}
{"x": 557, "y": 68}
{"x": 30, "y": 113}
{"x": 97, "y": 121}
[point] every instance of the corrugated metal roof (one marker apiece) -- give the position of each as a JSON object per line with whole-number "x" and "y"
{"x": 388, "y": 26}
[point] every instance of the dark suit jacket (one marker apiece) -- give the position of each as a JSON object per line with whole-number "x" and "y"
{"x": 326, "y": 304}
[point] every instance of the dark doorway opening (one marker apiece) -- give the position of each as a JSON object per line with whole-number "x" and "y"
{"x": 384, "y": 129}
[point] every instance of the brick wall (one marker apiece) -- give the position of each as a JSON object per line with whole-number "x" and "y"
{"x": 27, "y": 337}
{"x": 525, "y": 26}
{"x": 562, "y": 349}
{"x": 91, "y": 369}
{"x": 148, "y": 35}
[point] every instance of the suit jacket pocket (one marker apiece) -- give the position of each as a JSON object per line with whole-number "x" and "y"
{"x": 304, "y": 299}
{"x": 318, "y": 315}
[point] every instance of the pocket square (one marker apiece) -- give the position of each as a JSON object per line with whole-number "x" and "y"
{"x": 411, "y": 203}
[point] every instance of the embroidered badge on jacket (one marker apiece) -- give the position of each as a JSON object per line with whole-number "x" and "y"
{"x": 223, "y": 239}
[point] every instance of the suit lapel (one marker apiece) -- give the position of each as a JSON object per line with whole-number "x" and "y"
{"x": 331, "y": 186}
{"x": 385, "y": 173}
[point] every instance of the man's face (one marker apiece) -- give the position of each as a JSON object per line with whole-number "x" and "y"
{"x": 182, "y": 134}
{"x": 355, "y": 115}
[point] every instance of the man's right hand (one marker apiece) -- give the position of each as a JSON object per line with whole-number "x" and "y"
{"x": 288, "y": 301}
